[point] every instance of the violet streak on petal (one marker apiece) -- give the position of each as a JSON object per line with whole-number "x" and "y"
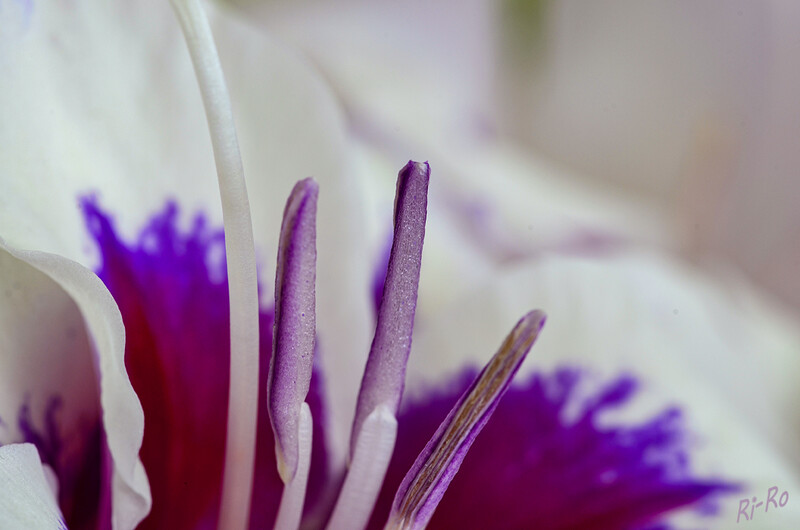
{"x": 428, "y": 479}
{"x": 83, "y": 474}
{"x": 384, "y": 374}
{"x": 553, "y": 460}
{"x": 295, "y": 322}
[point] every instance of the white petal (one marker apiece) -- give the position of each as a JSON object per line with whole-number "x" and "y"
{"x": 26, "y": 500}
{"x": 46, "y": 356}
{"x": 722, "y": 353}
{"x": 48, "y": 367}
{"x": 416, "y": 84}
{"x": 420, "y": 70}
{"x": 102, "y": 97}
{"x": 642, "y": 312}
{"x": 122, "y": 413}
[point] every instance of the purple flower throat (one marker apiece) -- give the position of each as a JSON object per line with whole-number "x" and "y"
{"x": 530, "y": 467}
{"x": 235, "y": 420}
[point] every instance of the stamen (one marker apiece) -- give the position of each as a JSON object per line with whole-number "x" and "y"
{"x": 375, "y": 427}
{"x": 384, "y": 375}
{"x": 293, "y": 349}
{"x": 436, "y": 466}
{"x": 371, "y": 457}
{"x": 241, "y": 263}
{"x": 295, "y": 322}
{"x": 294, "y": 492}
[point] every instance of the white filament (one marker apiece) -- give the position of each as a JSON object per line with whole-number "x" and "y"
{"x": 294, "y": 491}
{"x": 241, "y": 261}
{"x": 367, "y": 470}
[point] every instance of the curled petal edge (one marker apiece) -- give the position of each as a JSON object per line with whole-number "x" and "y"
{"x": 123, "y": 418}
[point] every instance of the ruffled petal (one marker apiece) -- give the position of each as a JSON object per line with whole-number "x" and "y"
{"x": 49, "y": 391}
{"x": 26, "y": 497}
{"x": 123, "y": 421}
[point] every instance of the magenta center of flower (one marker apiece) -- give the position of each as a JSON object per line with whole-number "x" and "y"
{"x": 171, "y": 290}
{"x": 529, "y": 466}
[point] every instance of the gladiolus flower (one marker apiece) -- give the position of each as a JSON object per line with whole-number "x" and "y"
{"x": 166, "y": 301}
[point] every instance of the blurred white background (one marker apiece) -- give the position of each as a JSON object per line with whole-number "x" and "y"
{"x": 691, "y": 105}
{"x": 688, "y": 110}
